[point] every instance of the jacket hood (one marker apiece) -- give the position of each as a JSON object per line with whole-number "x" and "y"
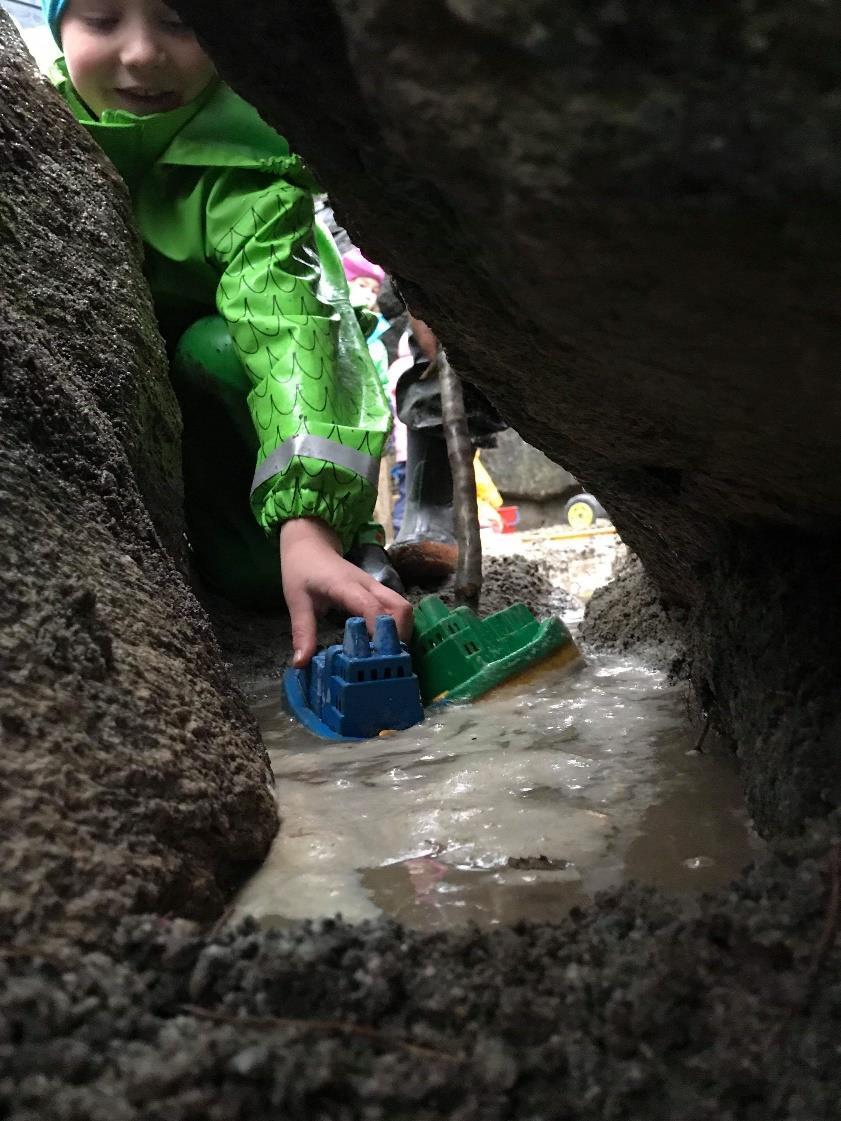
{"x": 53, "y": 11}
{"x": 216, "y": 129}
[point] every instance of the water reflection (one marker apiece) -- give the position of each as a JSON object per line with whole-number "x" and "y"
{"x": 517, "y": 807}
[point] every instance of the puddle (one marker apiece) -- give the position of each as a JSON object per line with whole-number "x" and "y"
{"x": 517, "y": 807}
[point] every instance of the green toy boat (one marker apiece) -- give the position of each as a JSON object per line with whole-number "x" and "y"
{"x": 459, "y": 657}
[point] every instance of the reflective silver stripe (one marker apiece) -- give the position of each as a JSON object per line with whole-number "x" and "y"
{"x": 317, "y": 447}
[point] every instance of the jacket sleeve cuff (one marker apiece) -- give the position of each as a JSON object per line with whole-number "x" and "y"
{"x": 345, "y": 509}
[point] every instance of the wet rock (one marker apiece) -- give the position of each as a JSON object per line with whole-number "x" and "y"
{"x": 766, "y": 653}
{"x": 131, "y": 774}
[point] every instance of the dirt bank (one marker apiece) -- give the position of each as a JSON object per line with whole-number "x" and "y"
{"x": 518, "y": 578}
{"x": 722, "y": 1011}
{"x": 627, "y": 616}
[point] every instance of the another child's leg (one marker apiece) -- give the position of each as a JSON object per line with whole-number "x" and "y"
{"x": 425, "y": 550}
{"x": 398, "y": 479}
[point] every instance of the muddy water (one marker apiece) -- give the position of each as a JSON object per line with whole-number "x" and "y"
{"x": 517, "y": 807}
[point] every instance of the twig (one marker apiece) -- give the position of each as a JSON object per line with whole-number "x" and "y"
{"x": 270, "y": 1023}
{"x": 468, "y": 584}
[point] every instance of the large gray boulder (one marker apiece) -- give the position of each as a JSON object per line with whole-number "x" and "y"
{"x": 132, "y": 777}
{"x": 621, "y": 218}
{"x": 521, "y": 471}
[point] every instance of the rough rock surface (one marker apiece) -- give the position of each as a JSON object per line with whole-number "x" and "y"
{"x": 132, "y": 777}
{"x": 634, "y": 1009}
{"x": 622, "y": 220}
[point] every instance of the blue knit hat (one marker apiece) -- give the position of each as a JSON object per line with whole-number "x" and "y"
{"x": 53, "y": 11}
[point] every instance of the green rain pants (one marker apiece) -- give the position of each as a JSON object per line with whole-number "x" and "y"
{"x": 219, "y": 449}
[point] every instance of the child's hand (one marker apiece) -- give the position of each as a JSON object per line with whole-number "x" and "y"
{"x": 316, "y": 576}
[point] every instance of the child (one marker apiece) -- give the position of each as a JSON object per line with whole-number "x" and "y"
{"x": 364, "y": 283}
{"x": 283, "y": 378}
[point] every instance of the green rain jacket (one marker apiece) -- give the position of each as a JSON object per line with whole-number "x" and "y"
{"x": 226, "y": 215}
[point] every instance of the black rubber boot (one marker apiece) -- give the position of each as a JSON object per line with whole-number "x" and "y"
{"x": 425, "y": 550}
{"x": 374, "y": 560}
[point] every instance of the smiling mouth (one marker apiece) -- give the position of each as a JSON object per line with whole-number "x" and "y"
{"x": 151, "y": 100}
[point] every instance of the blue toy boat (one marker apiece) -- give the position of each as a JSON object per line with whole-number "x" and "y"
{"x": 357, "y": 689}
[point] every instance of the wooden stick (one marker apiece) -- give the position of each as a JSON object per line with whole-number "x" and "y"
{"x": 384, "y": 506}
{"x": 460, "y": 452}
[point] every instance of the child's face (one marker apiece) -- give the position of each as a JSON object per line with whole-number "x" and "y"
{"x": 132, "y": 54}
{"x": 364, "y": 292}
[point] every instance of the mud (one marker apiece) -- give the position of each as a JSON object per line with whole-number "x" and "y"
{"x": 132, "y": 777}
{"x": 537, "y": 863}
{"x": 575, "y": 565}
{"x": 512, "y": 579}
{"x": 627, "y": 616}
{"x": 637, "y": 1008}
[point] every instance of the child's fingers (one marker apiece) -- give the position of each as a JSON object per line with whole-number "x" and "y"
{"x": 391, "y": 603}
{"x": 358, "y": 598}
{"x": 302, "y": 615}
{"x": 366, "y": 597}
